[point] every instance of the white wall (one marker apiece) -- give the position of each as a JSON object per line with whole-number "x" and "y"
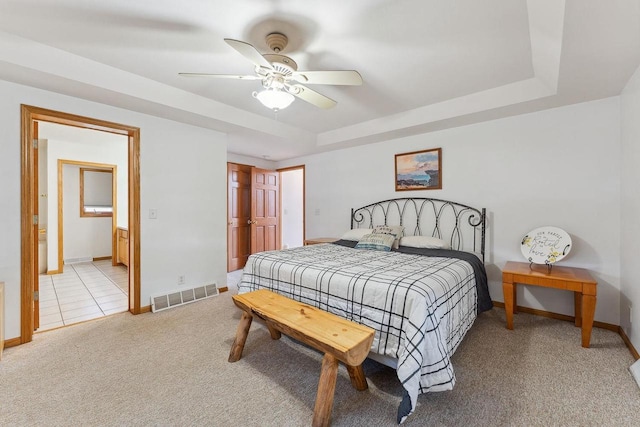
{"x": 557, "y": 167}
{"x": 251, "y": 161}
{"x": 183, "y": 176}
{"x": 291, "y": 190}
{"x": 630, "y": 227}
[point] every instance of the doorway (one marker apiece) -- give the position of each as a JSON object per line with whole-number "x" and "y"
{"x": 76, "y": 218}
{"x": 29, "y": 206}
{"x": 293, "y": 203}
{"x": 264, "y": 207}
{"x": 253, "y": 213}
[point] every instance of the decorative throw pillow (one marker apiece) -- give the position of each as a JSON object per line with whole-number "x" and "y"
{"x": 395, "y": 230}
{"x": 424, "y": 242}
{"x": 356, "y": 234}
{"x": 376, "y": 242}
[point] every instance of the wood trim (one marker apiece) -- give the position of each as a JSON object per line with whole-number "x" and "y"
{"x": 114, "y": 212}
{"x": 102, "y": 258}
{"x": 12, "y": 342}
{"x": 60, "y": 216}
{"x": 145, "y": 309}
{"x": 134, "y": 222}
{"x": 28, "y": 238}
{"x": 223, "y": 289}
{"x": 110, "y": 169}
{"x": 557, "y": 316}
{"x": 627, "y": 341}
{"x": 28, "y": 204}
{"x": 290, "y": 168}
{"x": 53, "y": 116}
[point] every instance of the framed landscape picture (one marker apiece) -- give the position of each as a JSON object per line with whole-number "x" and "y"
{"x": 419, "y": 170}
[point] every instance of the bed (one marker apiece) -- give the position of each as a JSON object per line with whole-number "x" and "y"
{"x": 420, "y": 287}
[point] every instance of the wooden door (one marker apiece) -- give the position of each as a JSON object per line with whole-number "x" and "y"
{"x": 265, "y": 210}
{"x": 238, "y": 215}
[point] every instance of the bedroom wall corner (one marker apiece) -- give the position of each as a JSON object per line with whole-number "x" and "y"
{"x": 630, "y": 210}
{"x": 251, "y": 161}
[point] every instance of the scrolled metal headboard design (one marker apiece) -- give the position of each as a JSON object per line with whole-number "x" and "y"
{"x": 462, "y": 226}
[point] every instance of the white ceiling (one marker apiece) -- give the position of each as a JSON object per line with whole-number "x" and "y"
{"x": 426, "y": 64}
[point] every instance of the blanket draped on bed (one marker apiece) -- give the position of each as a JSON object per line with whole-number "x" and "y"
{"x": 420, "y": 306}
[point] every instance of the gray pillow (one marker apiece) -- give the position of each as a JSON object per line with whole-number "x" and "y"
{"x": 376, "y": 242}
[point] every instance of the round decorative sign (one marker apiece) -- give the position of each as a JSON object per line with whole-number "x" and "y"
{"x": 545, "y": 245}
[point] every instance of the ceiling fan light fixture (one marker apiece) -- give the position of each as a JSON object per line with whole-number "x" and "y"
{"x": 274, "y": 99}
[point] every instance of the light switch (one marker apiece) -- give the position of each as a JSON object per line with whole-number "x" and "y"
{"x": 153, "y": 213}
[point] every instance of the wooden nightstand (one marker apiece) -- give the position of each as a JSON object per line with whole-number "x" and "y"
{"x": 573, "y": 279}
{"x": 319, "y": 240}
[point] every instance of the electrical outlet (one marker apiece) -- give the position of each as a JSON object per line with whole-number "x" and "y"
{"x": 630, "y": 312}
{"x": 181, "y": 280}
{"x": 153, "y": 213}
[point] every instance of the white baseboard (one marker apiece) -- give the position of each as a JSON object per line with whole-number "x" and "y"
{"x": 635, "y": 371}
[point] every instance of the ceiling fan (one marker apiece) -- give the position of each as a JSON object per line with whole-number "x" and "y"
{"x": 280, "y": 77}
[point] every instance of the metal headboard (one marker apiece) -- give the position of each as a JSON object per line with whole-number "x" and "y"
{"x": 463, "y": 226}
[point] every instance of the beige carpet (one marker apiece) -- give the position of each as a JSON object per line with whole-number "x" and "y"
{"x": 170, "y": 369}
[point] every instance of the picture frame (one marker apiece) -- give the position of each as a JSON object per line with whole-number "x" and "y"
{"x": 419, "y": 170}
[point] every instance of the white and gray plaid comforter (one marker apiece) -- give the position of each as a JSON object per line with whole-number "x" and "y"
{"x": 420, "y": 307}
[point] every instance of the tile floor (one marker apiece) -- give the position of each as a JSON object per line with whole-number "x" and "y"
{"x": 84, "y": 291}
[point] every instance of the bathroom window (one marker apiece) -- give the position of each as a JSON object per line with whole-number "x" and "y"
{"x": 96, "y": 192}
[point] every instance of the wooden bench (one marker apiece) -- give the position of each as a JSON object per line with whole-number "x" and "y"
{"x": 339, "y": 339}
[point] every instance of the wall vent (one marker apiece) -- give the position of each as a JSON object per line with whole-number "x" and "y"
{"x": 181, "y": 297}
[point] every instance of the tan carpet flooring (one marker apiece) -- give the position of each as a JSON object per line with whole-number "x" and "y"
{"x": 170, "y": 369}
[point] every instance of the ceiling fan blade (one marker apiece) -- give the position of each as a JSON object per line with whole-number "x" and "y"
{"x": 220, "y": 76}
{"x": 311, "y": 96}
{"x": 345, "y": 77}
{"x": 249, "y": 52}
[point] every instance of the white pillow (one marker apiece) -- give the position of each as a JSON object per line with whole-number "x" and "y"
{"x": 356, "y": 234}
{"x": 424, "y": 242}
{"x": 394, "y": 230}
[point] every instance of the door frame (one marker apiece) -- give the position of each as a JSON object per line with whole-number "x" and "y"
{"x": 29, "y": 204}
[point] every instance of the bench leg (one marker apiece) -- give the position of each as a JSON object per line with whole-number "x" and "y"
{"x": 241, "y": 337}
{"x": 326, "y": 389}
{"x": 275, "y": 334}
{"x": 358, "y": 380}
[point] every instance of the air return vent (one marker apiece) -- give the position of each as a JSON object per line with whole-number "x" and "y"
{"x": 181, "y": 297}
